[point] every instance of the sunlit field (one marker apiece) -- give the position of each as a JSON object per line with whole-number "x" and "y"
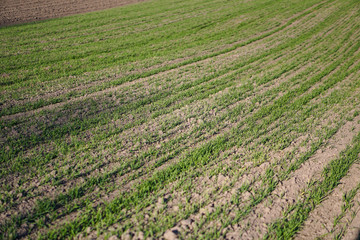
{"x": 201, "y": 119}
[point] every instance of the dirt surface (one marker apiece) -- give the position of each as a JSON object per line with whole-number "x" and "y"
{"x": 321, "y": 220}
{"x": 21, "y": 11}
{"x": 291, "y": 189}
{"x": 206, "y": 144}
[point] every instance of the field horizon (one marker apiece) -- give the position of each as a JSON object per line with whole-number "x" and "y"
{"x": 27, "y": 11}
{"x": 202, "y": 119}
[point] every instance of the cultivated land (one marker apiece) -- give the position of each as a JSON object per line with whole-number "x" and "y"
{"x": 190, "y": 119}
{"x": 20, "y": 11}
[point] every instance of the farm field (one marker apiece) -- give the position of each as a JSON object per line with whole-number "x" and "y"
{"x": 202, "y": 119}
{"x": 21, "y": 11}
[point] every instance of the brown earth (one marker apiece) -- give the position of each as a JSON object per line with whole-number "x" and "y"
{"x": 217, "y": 184}
{"x": 21, "y": 11}
{"x": 321, "y": 220}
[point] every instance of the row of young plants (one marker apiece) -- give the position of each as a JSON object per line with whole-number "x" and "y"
{"x": 187, "y": 154}
{"x": 137, "y": 166}
{"x": 211, "y": 150}
{"x": 43, "y": 102}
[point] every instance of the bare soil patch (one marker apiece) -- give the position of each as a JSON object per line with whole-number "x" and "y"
{"x": 353, "y": 231}
{"x": 21, "y": 11}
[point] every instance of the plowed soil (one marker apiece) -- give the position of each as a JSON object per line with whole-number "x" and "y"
{"x": 189, "y": 119}
{"x": 21, "y": 11}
